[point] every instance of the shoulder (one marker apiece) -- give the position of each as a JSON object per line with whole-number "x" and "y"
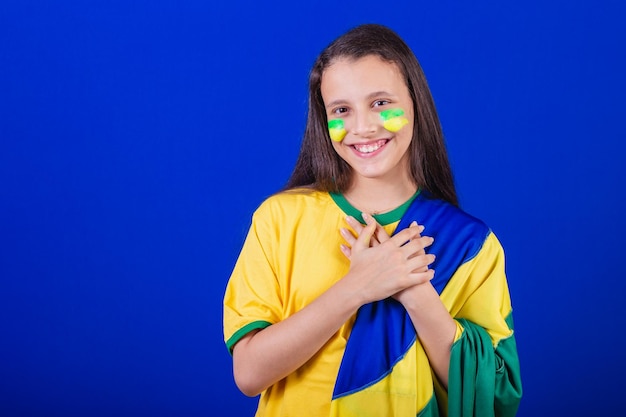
{"x": 446, "y": 216}
{"x": 295, "y": 202}
{"x": 453, "y": 229}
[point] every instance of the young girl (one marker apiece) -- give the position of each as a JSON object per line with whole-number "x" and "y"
{"x": 334, "y": 307}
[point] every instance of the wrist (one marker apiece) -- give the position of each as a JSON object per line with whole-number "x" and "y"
{"x": 350, "y": 297}
{"x": 413, "y": 298}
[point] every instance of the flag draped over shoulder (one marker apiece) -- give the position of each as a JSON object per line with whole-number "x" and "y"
{"x": 385, "y": 371}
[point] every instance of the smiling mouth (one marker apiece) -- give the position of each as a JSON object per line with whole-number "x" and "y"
{"x": 370, "y": 147}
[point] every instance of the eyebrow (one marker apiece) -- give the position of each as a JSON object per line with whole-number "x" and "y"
{"x": 370, "y": 96}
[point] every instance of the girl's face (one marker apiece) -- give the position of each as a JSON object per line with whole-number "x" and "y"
{"x": 370, "y": 116}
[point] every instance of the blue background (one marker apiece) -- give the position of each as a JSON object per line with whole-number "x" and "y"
{"x": 137, "y": 137}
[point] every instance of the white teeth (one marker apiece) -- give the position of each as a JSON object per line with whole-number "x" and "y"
{"x": 370, "y": 147}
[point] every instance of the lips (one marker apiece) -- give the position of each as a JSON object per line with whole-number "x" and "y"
{"x": 367, "y": 148}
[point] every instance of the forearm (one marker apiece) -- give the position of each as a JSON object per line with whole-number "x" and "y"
{"x": 265, "y": 357}
{"x": 434, "y": 325}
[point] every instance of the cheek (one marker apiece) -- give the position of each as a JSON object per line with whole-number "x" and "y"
{"x": 393, "y": 119}
{"x": 339, "y": 149}
{"x": 336, "y": 130}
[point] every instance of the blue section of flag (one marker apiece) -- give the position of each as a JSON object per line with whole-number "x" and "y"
{"x": 383, "y": 331}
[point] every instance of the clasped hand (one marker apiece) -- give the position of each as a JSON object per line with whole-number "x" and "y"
{"x": 381, "y": 265}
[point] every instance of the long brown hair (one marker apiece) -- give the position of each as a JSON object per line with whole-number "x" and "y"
{"x": 318, "y": 165}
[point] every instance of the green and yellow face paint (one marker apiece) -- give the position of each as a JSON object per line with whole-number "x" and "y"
{"x": 393, "y": 119}
{"x": 337, "y": 130}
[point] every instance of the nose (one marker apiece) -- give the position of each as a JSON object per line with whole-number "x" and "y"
{"x": 364, "y": 123}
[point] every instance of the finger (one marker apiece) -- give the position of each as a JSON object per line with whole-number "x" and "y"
{"x": 365, "y": 237}
{"x": 369, "y": 219}
{"x": 421, "y": 263}
{"x": 355, "y": 225}
{"x": 358, "y": 229}
{"x": 422, "y": 277}
{"x": 347, "y": 236}
{"x": 420, "y": 229}
{"x": 345, "y": 250}
{"x": 406, "y": 235}
{"x": 381, "y": 234}
{"x": 417, "y": 246}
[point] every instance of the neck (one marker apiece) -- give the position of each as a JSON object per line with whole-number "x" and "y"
{"x": 375, "y": 196}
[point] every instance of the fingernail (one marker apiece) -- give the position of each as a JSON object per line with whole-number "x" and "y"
{"x": 422, "y": 228}
{"x": 365, "y": 216}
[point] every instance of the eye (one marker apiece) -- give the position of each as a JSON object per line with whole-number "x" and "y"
{"x": 379, "y": 103}
{"x": 340, "y": 110}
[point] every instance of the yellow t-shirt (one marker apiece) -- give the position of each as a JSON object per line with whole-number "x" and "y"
{"x": 291, "y": 256}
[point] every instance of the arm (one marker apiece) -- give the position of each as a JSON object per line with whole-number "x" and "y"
{"x": 433, "y": 324}
{"x": 264, "y": 357}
